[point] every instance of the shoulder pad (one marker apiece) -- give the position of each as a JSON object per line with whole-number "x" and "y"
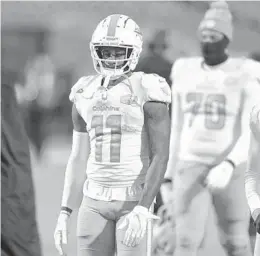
{"x": 79, "y": 86}
{"x": 156, "y": 88}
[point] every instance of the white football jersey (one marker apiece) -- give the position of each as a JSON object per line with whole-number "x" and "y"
{"x": 115, "y": 123}
{"x": 211, "y": 107}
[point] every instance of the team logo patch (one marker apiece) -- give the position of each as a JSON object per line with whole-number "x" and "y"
{"x": 234, "y": 81}
{"x": 104, "y": 96}
{"x": 129, "y": 100}
{"x": 101, "y": 94}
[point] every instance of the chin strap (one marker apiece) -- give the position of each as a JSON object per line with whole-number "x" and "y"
{"x": 106, "y": 81}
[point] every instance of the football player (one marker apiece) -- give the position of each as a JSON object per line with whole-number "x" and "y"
{"x": 212, "y": 97}
{"x": 252, "y": 177}
{"x": 121, "y": 140}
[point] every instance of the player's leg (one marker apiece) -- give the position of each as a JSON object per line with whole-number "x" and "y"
{"x": 191, "y": 207}
{"x": 95, "y": 228}
{"x": 257, "y": 245}
{"x": 123, "y": 250}
{"x": 233, "y": 216}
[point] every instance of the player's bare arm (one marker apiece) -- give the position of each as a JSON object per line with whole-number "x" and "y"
{"x": 79, "y": 124}
{"x": 157, "y": 123}
{"x": 76, "y": 166}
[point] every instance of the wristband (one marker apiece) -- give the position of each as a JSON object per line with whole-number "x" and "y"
{"x": 231, "y": 162}
{"x": 166, "y": 180}
{"x": 66, "y": 210}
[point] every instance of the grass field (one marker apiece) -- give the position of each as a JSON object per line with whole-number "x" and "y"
{"x": 48, "y": 178}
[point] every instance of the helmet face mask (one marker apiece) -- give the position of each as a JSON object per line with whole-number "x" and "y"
{"x": 110, "y": 59}
{"x": 116, "y": 45}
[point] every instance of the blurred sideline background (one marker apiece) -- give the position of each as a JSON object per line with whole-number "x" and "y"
{"x": 45, "y": 49}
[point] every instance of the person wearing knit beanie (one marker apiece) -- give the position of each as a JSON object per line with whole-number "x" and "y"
{"x": 212, "y": 95}
{"x": 215, "y": 33}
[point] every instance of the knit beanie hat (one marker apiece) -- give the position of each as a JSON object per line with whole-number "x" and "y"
{"x": 218, "y": 18}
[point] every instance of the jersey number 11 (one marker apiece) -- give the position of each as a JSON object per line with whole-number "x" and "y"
{"x": 114, "y": 123}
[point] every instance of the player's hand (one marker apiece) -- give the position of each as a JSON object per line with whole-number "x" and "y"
{"x": 256, "y": 218}
{"x": 219, "y": 176}
{"x": 61, "y": 233}
{"x": 135, "y": 223}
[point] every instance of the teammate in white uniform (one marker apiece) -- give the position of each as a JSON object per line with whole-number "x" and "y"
{"x": 252, "y": 177}
{"x": 121, "y": 138}
{"x": 209, "y": 138}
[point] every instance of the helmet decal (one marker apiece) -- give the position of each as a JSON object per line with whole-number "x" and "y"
{"x": 111, "y": 31}
{"x": 116, "y": 31}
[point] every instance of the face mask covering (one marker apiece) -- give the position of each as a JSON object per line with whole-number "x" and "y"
{"x": 214, "y": 53}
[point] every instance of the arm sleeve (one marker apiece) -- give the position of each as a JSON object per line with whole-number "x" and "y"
{"x": 176, "y": 129}
{"x": 252, "y": 175}
{"x": 251, "y": 98}
{"x": 75, "y": 174}
{"x": 176, "y": 123}
{"x": 238, "y": 154}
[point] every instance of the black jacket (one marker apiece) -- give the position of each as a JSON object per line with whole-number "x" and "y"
{"x": 19, "y": 232}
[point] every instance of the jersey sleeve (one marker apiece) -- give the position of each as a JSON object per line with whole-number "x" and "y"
{"x": 177, "y": 119}
{"x": 251, "y": 98}
{"x": 156, "y": 88}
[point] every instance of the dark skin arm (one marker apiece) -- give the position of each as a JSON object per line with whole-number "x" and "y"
{"x": 79, "y": 124}
{"x": 157, "y": 123}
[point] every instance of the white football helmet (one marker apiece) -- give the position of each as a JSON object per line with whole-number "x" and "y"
{"x": 117, "y": 31}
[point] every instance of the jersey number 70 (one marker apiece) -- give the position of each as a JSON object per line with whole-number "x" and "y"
{"x": 114, "y": 123}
